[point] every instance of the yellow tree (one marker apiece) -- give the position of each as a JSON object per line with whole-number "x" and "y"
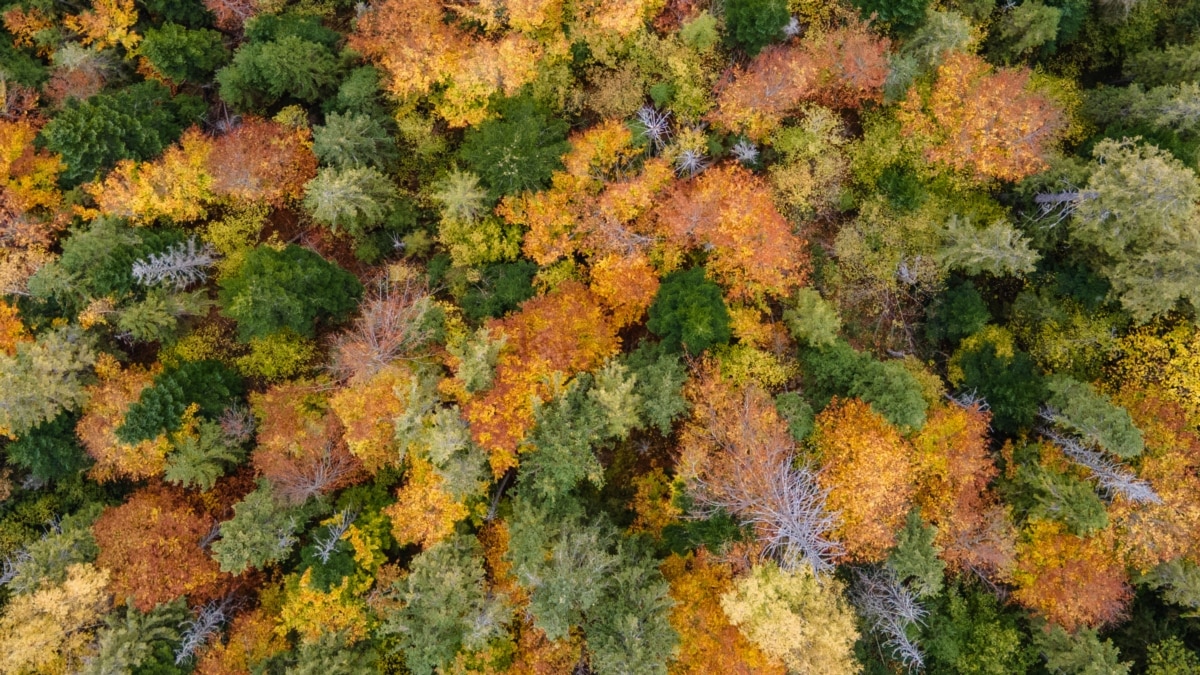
{"x": 176, "y": 186}
{"x": 52, "y": 630}
{"x": 108, "y": 401}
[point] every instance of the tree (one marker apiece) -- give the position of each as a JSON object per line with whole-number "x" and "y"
{"x": 708, "y": 642}
{"x": 867, "y": 468}
{"x": 998, "y": 249}
{"x": 355, "y": 199}
{"x": 136, "y": 122}
{"x": 448, "y": 606}
{"x": 133, "y": 640}
{"x": 1031, "y": 25}
{"x": 261, "y": 532}
{"x": 1082, "y": 653}
{"x": 753, "y": 24}
{"x": 840, "y": 370}
{"x": 737, "y": 455}
{"x": 264, "y": 73}
{"x": 301, "y": 443}
{"x": 209, "y": 385}
{"x": 954, "y": 469}
{"x": 792, "y": 616}
{"x": 629, "y": 632}
{"x": 1080, "y": 409}
{"x": 152, "y": 546}
{"x": 1169, "y": 65}
{"x": 51, "y": 630}
{"x": 43, "y": 379}
{"x": 260, "y": 160}
{"x": 730, "y": 212}
{"x": 902, "y": 16}
{"x": 50, "y": 451}
{"x": 293, "y": 288}
{"x": 1071, "y": 580}
{"x": 182, "y": 54}
{"x": 564, "y": 331}
{"x": 396, "y": 320}
{"x": 990, "y": 366}
{"x": 969, "y": 633}
{"x": 688, "y": 312}
{"x": 1134, "y": 214}
{"x": 958, "y": 313}
{"x": 202, "y": 454}
{"x": 915, "y": 561}
{"x": 354, "y": 140}
{"x": 983, "y": 123}
{"x": 517, "y": 151}
{"x": 108, "y": 401}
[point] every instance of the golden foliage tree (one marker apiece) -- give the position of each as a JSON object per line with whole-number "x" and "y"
{"x": 108, "y": 401}
{"x": 869, "y": 471}
{"x": 52, "y": 630}
{"x": 175, "y": 187}
{"x": 988, "y": 124}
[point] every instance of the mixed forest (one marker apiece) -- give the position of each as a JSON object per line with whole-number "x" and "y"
{"x": 610, "y": 337}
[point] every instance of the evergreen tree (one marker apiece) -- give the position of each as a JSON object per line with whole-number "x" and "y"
{"x": 261, "y": 532}
{"x": 840, "y": 370}
{"x": 293, "y": 288}
{"x": 184, "y": 55}
{"x": 689, "y": 312}
{"x": 356, "y": 200}
{"x": 50, "y": 451}
{"x": 354, "y": 140}
{"x": 43, "y": 379}
{"x": 753, "y": 24}
{"x": 518, "y": 150}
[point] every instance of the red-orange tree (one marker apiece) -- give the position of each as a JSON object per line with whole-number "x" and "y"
{"x": 868, "y": 469}
{"x": 301, "y": 446}
{"x": 753, "y": 251}
{"x": 986, "y": 123}
{"x": 565, "y": 332}
{"x": 153, "y": 547}
{"x": 262, "y": 160}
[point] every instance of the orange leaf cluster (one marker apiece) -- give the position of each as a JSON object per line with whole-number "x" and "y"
{"x": 262, "y": 160}
{"x": 423, "y": 512}
{"x": 564, "y": 332}
{"x": 231, "y": 14}
{"x": 1149, "y": 534}
{"x": 25, "y": 24}
{"x": 30, "y": 200}
{"x": 419, "y": 50}
{"x": 12, "y": 331}
{"x": 986, "y": 123}
{"x": 954, "y": 469}
{"x": 301, "y": 449}
{"x": 175, "y": 187}
{"x": 151, "y": 545}
{"x": 626, "y": 285}
{"x": 708, "y": 643}
{"x": 1072, "y": 581}
{"x": 841, "y": 68}
{"x": 108, "y": 401}
{"x": 730, "y": 211}
{"x": 252, "y": 639}
{"x": 868, "y": 469}
{"x": 367, "y": 410}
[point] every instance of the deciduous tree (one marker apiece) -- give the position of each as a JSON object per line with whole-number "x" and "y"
{"x": 152, "y": 545}
{"x": 868, "y": 469}
{"x": 985, "y": 123}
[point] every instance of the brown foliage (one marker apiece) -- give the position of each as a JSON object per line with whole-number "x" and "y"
{"x": 262, "y": 160}
{"x": 389, "y": 327}
{"x": 151, "y": 545}
{"x": 868, "y": 468}
{"x": 252, "y": 639}
{"x": 986, "y": 123}
{"x": 301, "y": 448}
{"x": 231, "y": 14}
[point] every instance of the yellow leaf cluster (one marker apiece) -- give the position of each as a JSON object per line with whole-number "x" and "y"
{"x": 312, "y": 612}
{"x": 52, "y": 629}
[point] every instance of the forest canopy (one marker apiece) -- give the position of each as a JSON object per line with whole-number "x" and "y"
{"x": 605, "y": 337}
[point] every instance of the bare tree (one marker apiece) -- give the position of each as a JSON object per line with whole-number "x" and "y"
{"x": 890, "y": 609}
{"x": 197, "y": 631}
{"x": 180, "y": 266}
{"x": 333, "y": 534}
{"x": 392, "y": 325}
{"x": 1112, "y": 477}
